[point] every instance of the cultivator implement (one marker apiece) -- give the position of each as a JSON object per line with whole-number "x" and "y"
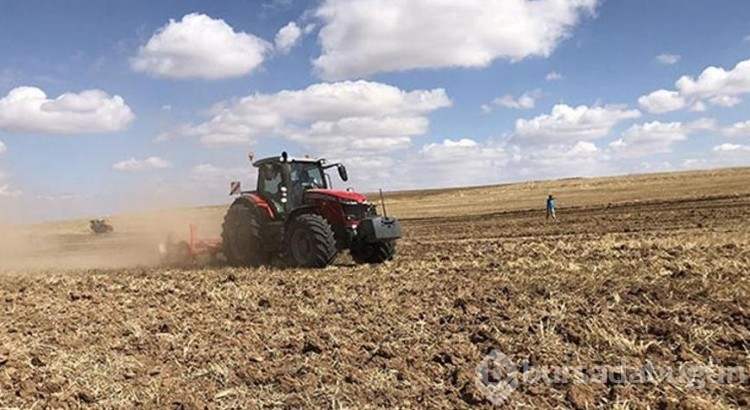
{"x": 192, "y": 251}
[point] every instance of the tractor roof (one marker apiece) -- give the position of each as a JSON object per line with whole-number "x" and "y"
{"x": 277, "y": 159}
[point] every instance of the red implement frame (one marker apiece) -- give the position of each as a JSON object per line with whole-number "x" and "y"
{"x": 194, "y": 250}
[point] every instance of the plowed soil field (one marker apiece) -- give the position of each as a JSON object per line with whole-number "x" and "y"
{"x": 633, "y": 274}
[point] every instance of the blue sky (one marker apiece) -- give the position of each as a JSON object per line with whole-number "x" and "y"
{"x": 116, "y": 106}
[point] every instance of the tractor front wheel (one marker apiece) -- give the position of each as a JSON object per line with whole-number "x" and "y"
{"x": 310, "y": 242}
{"x": 373, "y": 252}
{"x": 242, "y": 237}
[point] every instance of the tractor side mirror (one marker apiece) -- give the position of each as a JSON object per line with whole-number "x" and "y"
{"x": 342, "y": 172}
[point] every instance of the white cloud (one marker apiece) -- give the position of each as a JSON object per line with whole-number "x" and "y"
{"x": 525, "y": 101}
{"x": 553, "y": 76}
{"x": 656, "y": 137}
{"x": 370, "y": 172}
{"x": 731, "y": 148}
{"x": 133, "y": 164}
{"x": 468, "y": 162}
{"x": 329, "y": 117}
{"x": 567, "y": 124}
{"x": 746, "y": 39}
{"x": 738, "y": 129}
{"x": 662, "y": 101}
{"x": 699, "y": 106}
{"x": 725, "y": 100}
{"x": 702, "y": 124}
{"x": 720, "y": 156}
{"x": 582, "y": 158}
{"x": 363, "y": 37}
{"x": 717, "y": 83}
{"x": 714, "y": 85}
{"x": 668, "y": 59}
{"x": 7, "y": 192}
{"x": 453, "y": 163}
{"x": 287, "y": 37}
{"x": 200, "y": 47}
{"x": 462, "y": 143}
{"x": 3, "y": 148}
{"x": 458, "y": 150}
{"x": 27, "y": 109}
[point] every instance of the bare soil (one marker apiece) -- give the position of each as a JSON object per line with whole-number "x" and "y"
{"x": 660, "y": 279}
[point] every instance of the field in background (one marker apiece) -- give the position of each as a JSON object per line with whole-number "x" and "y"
{"x": 639, "y": 268}
{"x": 570, "y": 193}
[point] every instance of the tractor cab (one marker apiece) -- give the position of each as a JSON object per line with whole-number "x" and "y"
{"x": 283, "y": 181}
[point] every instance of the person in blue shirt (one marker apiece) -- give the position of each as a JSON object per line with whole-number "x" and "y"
{"x": 551, "y": 208}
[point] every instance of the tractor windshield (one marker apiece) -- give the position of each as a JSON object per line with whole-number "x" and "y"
{"x": 304, "y": 176}
{"x": 307, "y": 175}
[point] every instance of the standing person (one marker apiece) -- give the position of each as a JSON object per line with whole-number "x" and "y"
{"x": 551, "y": 208}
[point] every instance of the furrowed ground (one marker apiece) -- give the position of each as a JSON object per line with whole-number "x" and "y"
{"x": 638, "y": 270}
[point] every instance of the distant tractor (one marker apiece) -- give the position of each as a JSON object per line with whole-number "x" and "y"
{"x": 99, "y": 226}
{"x": 295, "y": 212}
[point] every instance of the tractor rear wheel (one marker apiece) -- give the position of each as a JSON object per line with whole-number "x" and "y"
{"x": 242, "y": 236}
{"x": 310, "y": 242}
{"x": 373, "y": 252}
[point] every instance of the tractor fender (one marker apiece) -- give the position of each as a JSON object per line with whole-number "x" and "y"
{"x": 257, "y": 202}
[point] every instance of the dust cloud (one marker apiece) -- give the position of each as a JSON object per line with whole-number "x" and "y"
{"x": 71, "y": 245}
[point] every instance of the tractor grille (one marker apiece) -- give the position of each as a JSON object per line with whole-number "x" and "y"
{"x": 358, "y": 212}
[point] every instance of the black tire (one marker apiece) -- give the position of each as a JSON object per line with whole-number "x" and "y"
{"x": 373, "y": 252}
{"x": 242, "y": 236}
{"x": 309, "y": 242}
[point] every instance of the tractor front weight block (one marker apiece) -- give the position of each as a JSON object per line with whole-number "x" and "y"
{"x": 379, "y": 229}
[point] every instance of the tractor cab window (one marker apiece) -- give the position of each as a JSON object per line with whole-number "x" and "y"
{"x": 270, "y": 180}
{"x": 269, "y": 186}
{"x": 308, "y": 176}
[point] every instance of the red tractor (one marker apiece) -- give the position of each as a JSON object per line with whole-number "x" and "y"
{"x": 295, "y": 213}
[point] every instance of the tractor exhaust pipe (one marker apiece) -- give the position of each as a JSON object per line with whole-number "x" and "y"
{"x": 382, "y": 202}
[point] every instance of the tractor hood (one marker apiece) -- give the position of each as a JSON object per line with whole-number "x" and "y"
{"x": 333, "y": 194}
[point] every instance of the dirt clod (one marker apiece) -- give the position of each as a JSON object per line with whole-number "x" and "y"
{"x": 85, "y": 396}
{"x": 586, "y": 396}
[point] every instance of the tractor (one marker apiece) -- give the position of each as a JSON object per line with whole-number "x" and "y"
{"x": 99, "y": 226}
{"x": 295, "y": 212}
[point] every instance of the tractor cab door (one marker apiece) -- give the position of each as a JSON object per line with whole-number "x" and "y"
{"x": 270, "y": 182}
